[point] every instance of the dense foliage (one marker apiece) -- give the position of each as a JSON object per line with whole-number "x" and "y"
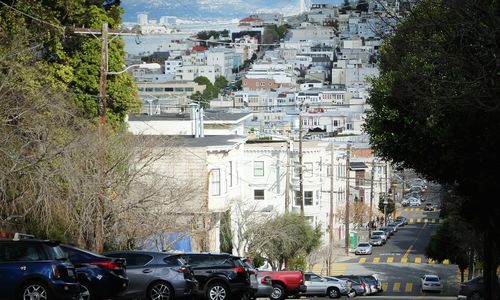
{"x": 436, "y": 107}
{"x": 72, "y": 59}
{"x": 283, "y": 240}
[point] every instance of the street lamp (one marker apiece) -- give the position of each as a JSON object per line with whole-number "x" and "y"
{"x": 148, "y": 66}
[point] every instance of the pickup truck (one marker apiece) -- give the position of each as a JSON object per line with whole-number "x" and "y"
{"x": 285, "y": 283}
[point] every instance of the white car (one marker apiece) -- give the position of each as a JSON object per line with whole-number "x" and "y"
{"x": 363, "y": 248}
{"x": 431, "y": 283}
{"x": 380, "y": 233}
{"x": 414, "y": 202}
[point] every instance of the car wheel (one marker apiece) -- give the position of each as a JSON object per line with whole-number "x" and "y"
{"x": 86, "y": 292}
{"x": 333, "y": 293}
{"x": 160, "y": 291}
{"x": 217, "y": 291}
{"x": 476, "y": 296}
{"x": 35, "y": 290}
{"x": 278, "y": 292}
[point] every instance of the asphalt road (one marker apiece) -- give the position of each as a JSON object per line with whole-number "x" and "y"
{"x": 402, "y": 261}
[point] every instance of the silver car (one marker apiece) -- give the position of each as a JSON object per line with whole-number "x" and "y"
{"x": 376, "y": 240}
{"x": 363, "y": 248}
{"x": 319, "y": 286}
{"x": 380, "y": 233}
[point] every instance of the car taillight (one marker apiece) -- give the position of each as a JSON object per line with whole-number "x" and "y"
{"x": 182, "y": 270}
{"x": 264, "y": 280}
{"x": 238, "y": 269}
{"x": 110, "y": 265}
{"x": 56, "y": 272}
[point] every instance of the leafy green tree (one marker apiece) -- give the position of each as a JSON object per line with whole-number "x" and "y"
{"x": 435, "y": 107}
{"x": 282, "y": 30}
{"x": 452, "y": 240}
{"x": 74, "y": 59}
{"x": 220, "y": 82}
{"x": 362, "y": 5}
{"x": 283, "y": 238}
{"x": 346, "y": 6}
{"x": 390, "y": 205}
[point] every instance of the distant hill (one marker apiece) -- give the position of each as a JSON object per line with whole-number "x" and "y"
{"x": 208, "y": 9}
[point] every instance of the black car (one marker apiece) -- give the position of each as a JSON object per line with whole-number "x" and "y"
{"x": 36, "y": 269}
{"x": 221, "y": 276}
{"x": 355, "y": 283}
{"x": 101, "y": 277}
{"x": 157, "y": 275}
{"x": 474, "y": 289}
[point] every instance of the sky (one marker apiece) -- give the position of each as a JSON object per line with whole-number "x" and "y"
{"x": 209, "y": 9}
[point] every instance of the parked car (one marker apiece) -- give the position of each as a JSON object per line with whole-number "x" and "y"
{"x": 261, "y": 284}
{"x": 414, "y": 202}
{"x": 373, "y": 284}
{"x": 380, "y": 233}
{"x": 350, "y": 292}
{"x": 363, "y": 248}
{"x": 220, "y": 276}
{"x": 405, "y": 202}
{"x": 319, "y": 286}
{"x": 286, "y": 283}
{"x": 474, "y": 289}
{"x": 264, "y": 288}
{"x": 393, "y": 225}
{"x": 36, "y": 269}
{"x": 389, "y": 231}
{"x": 157, "y": 275}
{"x": 357, "y": 284}
{"x": 431, "y": 283}
{"x": 429, "y": 206}
{"x": 376, "y": 240}
{"x": 101, "y": 277}
{"x": 402, "y": 220}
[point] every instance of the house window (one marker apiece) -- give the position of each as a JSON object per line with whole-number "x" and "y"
{"x": 215, "y": 182}
{"x": 258, "y": 194}
{"x": 308, "y": 198}
{"x": 335, "y": 123}
{"x": 258, "y": 168}
{"x": 349, "y": 126}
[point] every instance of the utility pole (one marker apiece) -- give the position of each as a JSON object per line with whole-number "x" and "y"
{"x": 301, "y": 171}
{"x": 330, "y": 215}
{"x": 371, "y": 198}
{"x": 99, "y": 231}
{"x": 385, "y": 196}
{"x": 103, "y": 73}
{"x": 347, "y": 202}
{"x": 287, "y": 183}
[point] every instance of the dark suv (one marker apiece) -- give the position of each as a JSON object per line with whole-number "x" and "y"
{"x": 36, "y": 269}
{"x": 221, "y": 276}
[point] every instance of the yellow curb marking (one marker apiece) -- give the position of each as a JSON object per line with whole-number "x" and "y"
{"x": 409, "y": 287}
{"x": 396, "y": 287}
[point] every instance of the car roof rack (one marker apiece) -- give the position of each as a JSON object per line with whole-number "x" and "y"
{"x": 22, "y": 236}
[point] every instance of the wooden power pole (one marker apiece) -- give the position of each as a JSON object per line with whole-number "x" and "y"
{"x": 347, "y": 202}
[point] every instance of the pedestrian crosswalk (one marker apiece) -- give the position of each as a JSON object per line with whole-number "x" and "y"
{"x": 400, "y": 259}
{"x": 424, "y": 220}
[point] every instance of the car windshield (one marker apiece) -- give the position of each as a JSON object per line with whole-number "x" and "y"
{"x": 431, "y": 279}
{"x": 363, "y": 245}
{"x": 376, "y": 237}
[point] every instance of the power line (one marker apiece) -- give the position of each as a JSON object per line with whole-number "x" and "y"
{"x": 33, "y": 18}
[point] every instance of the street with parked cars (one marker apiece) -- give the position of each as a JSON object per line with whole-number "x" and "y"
{"x": 389, "y": 263}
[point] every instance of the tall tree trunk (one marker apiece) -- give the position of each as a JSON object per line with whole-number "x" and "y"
{"x": 490, "y": 266}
